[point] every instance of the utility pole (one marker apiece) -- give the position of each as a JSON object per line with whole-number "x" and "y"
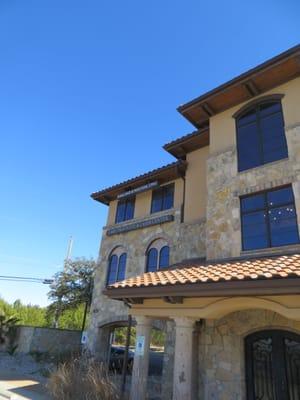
{"x": 58, "y": 308}
{"x": 69, "y": 248}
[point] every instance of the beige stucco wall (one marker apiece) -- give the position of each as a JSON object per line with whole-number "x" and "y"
{"x": 218, "y": 307}
{"x": 143, "y": 202}
{"x": 196, "y": 191}
{"x": 222, "y": 126}
{"x": 225, "y": 185}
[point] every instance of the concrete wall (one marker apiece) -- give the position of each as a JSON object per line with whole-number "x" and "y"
{"x": 45, "y": 340}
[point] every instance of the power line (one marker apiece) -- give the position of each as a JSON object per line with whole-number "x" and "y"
{"x": 25, "y": 279}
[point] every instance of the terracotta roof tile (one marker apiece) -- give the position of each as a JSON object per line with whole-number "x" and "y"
{"x": 191, "y": 271}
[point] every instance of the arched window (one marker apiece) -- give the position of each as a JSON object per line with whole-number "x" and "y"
{"x": 158, "y": 256}
{"x": 260, "y": 134}
{"x": 112, "y": 269}
{"x": 152, "y": 257}
{"x": 164, "y": 257}
{"x": 116, "y": 266}
{"x": 122, "y": 267}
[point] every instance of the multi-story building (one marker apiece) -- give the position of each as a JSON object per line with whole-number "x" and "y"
{"x": 208, "y": 246}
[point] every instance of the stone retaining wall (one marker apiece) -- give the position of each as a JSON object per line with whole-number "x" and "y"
{"x": 46, "y": 340}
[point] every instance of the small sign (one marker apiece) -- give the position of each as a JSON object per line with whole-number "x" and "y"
{"x": 84, "y": 337}
{"x": 140, "y": 225}
{"x": 140, "y": 345}
{"x": 137, "y": 190}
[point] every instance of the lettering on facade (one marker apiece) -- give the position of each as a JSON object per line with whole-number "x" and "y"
{"x": 140, "y": 189}
{"x": 140, "y": 225}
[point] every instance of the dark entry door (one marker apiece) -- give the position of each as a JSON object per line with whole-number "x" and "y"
{"x": 273, "y": 365}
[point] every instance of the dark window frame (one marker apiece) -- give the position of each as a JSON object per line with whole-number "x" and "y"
{"x": 163, "y": 192}
{"x": 158, "y": 258}
{"x": 127, "y": 202}
{"x": 152, "y": 249}
{"x": 255, "y": 106}
{"x": 266, "y": 210}
{"x": 124, "y": 254}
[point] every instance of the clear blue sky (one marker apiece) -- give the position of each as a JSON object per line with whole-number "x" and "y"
{"x": 88, "y": 94}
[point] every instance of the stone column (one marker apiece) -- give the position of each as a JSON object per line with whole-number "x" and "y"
{"x": 182, "y": 380}
{"x": 141, "y": 359}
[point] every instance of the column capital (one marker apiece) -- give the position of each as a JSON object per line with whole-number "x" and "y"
{"x": 142, "y": 320}
{"x": 184, "y": 322}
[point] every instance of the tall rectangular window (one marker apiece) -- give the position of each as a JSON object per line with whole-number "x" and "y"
{"x": 125, "y": 210}
{"x": 269, "y": 219}
{"x": 162, "y": 198}
{"x": 260, "y": 135}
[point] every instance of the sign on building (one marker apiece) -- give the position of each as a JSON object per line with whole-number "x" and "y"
{"x": 140, "y": 345}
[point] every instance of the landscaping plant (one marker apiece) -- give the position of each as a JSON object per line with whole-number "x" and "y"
{"x": 82, "y": 379}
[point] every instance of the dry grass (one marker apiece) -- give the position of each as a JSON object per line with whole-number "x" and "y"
{"x": 81, "y": 379}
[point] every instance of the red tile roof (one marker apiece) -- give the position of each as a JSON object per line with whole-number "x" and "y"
{"x": 287, "y": 266}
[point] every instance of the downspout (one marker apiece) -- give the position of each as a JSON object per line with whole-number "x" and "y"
{"x": 183, "y": 200}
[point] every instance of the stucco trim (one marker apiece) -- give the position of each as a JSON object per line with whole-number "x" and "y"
{"x": 220, "y": 308}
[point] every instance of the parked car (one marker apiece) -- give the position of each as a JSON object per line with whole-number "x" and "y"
{"x": 116, "y": 360}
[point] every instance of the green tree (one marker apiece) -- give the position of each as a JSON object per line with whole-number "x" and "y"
{"x": 71, "y": 289}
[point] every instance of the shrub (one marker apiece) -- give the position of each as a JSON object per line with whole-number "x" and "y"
{"x": 82, "y": 379}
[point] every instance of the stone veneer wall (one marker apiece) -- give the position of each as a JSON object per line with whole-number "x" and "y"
{"x": 185, "y": 241}
{"x": 225, "y": 185}
{"x": 222, "y": 352}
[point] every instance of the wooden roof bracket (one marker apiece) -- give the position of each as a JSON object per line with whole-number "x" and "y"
{"x": 207, "y": 109}
{"x": 251, "y": 88}
{"x": 173, "y": 299}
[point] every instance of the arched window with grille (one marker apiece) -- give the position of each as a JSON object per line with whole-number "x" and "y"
{"x": 157, "y": 256}
{"x": 164, "y": 255}
{"x": 260, "y": 133}
{"x": 116, "y": 266}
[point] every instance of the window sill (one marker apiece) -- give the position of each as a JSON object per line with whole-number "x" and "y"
{"x": 269, "y": 251}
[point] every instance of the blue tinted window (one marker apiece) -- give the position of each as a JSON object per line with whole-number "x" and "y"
{"x": 269, "y": 219}
{"x": 273, "y": 138}
{"x": 162, "y": 198}
{"x": 112, "y": 270}
{"x": 125, "y": 210}
{"x": 260, "y": 136}
{"x": 164, "y": 257}
{"x": 283, "y": 225}
{"x": 122, "y": 267}
{"x": 280, "y": 197}
{"x": 252, "y": 203}
{"x": 254, "y": 231}
{"x": 249, "y": 154}
{"x": 152, "y": 257}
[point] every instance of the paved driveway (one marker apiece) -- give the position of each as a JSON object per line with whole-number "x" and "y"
{"x": 21, "y": 388}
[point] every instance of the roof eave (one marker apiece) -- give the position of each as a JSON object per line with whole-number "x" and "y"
{"x": 275, "y": 286}
{"x": 107, "y": 195}
{"x": 202, "y": 100}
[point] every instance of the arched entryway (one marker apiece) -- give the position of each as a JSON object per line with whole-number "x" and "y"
{"x": 273, "y": 365}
